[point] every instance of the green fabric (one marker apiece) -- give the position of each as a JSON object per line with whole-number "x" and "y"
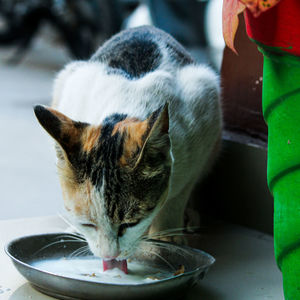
{"x": 291, "y": 275}
{"x": 281, "y": 108}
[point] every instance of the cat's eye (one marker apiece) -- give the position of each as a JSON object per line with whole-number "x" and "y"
{"x": 123, "y": 227}
{"x": 90, "y": 225}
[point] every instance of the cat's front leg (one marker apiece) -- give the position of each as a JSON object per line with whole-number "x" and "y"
{"x": 169, "y": 223}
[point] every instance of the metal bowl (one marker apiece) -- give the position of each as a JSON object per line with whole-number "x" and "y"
{"x": 25, "y": 252}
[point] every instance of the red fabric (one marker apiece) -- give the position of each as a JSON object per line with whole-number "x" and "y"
{"x": 277, "y": 27}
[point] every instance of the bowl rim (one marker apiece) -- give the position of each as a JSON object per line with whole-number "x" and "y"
{"x": 211, "y": 261}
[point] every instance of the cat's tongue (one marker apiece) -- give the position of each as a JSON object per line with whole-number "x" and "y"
{"x": 113, "y": 263}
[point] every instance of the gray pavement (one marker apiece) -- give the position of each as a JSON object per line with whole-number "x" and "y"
{"x": 28, "y": 180}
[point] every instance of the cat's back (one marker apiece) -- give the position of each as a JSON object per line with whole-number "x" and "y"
{"x": 138, "y": 51}
{"x": 135, "y": 73}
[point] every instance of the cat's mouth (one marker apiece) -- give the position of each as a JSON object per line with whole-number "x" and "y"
{"x": 113, "y": 263}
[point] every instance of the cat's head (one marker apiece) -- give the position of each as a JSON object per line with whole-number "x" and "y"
{"x": 114, "y": 176}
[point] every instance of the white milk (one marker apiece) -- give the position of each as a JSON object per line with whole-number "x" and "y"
{"x": 91, "y": 269}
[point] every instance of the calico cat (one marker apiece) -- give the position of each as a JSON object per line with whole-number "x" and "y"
{"x": 135, "y": 127}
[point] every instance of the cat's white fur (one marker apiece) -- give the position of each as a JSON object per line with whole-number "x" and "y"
{"x": 84, "y": 91}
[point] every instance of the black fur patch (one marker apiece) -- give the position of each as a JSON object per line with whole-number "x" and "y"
{"x": 132, "y": 51}
{"x": 102, "y": 159}
{"x": 111, "y": 146}
{"x": 113, "y": 119}
{"x": 53, "y": 125}
{"x": 136, "y": 51}
{"x": 48, "y": 120}
{"x": 175, "y": 49}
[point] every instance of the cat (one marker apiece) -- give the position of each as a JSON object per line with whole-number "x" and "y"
{"x": 135, "y": 127}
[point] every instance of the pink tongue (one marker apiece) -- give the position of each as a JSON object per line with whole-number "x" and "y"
{"x": 113, "y": 263}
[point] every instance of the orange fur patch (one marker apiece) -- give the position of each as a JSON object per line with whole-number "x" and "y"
{"x": 68, "y": 127}
{"x": 59, "y": 115}
{"x": 134, "y": 131}
{"x": 122, "y": 126}
{"x": 90, "y": 137}
{"x": 77, "y": 197}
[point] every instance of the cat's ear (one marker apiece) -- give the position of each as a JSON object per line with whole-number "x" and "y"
{"x": 157, "y": 142}
{"x": 64, "y": 130}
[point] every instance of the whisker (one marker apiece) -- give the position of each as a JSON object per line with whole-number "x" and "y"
{"x": 53, "y": 243}
{"x": 75, "y": 232}
{"x": 160, "y": 245}
{"x": 163, "y": 259}
{"x": 47, "y": 246}
{"x": 77, "y": 238}
{"x": 164, "y": 232}
{"x": 73, "y": 241}
{"x": 168, "y": 232}
{"x": 171, "y": 230}
{"x": 166, "y": 235}
{"x": 68, "y": 223}
{"x": 78, "y": 235}
{"x": 77, "y": 251}
{"x": 82, "y": 253}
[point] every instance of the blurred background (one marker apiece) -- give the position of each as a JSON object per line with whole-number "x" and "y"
{"x": 37, "y": 38}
